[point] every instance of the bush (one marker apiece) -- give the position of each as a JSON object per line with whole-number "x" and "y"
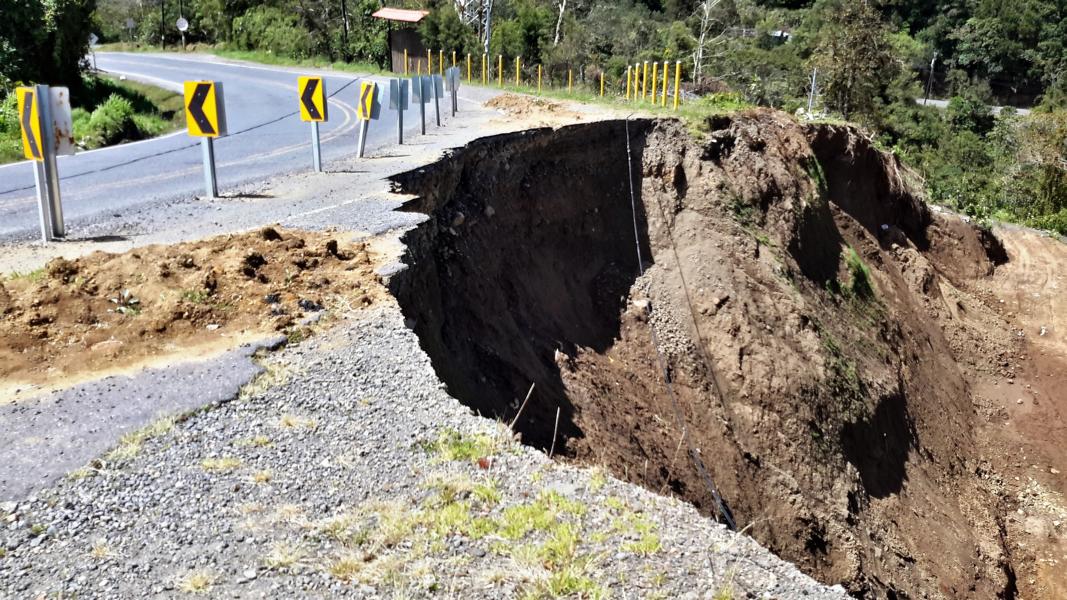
{"x": 110, "y": 123}
{"x": 273, "y": 30}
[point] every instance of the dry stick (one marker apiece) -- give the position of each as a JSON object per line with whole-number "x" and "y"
{"x": 554, "y": 430}
{"x": 519, "y": 414}
{"x": 670, "y": 469}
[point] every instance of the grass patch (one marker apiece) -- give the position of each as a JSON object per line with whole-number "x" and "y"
{"x": 284, "y": 555}
{"x": 262, "y": 477}
{"x": 130, "y": 444}
{"x": 453, "y": 445}
{"x": 197, "y": 582}
{"x": 224, "y": 464}
{"x": 860, "y": 284}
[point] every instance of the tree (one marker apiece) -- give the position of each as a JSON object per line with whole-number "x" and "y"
{"x": 855, "y": 59}
{"x": 705, "y": 14}
{"x": 44, "y": 41}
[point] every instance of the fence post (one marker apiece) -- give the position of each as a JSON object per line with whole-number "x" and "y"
{"x": 677, "y": 82}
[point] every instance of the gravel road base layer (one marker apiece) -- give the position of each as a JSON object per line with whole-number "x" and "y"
{"x": 346, "y": 469}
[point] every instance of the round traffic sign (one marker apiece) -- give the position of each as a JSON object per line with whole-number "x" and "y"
{"x": 182, "y": 24}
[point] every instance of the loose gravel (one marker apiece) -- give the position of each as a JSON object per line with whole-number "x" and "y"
{"x": 346, "y": 470}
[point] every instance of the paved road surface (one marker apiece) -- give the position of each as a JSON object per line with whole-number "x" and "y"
{"x": 266, "y": 138}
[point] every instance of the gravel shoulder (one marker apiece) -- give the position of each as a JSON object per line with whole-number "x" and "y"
{"x": 347, "y": 470}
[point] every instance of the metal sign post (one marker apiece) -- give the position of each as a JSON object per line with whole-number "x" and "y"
{"x": 452, "y": 78}
{"x": 205, "y": 115}
{"x": 421, "y": 88}
{"x": 398, "y": 101}
{"x": 369, "y": 109}
{"x": 313, "y": 108}
{"x": 45, "y": 120}
{"x": 438, "y": 91}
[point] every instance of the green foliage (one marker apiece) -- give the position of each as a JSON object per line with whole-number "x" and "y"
{"x": 860, "y": 283}
{"x": 274, "y": 30}
{"x": 43, "y": 41}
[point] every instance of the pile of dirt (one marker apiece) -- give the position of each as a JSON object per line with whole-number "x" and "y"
{"x": 799, "y": 352}
{"x": 532, "y": 108}
{"x": 109, "y": 312}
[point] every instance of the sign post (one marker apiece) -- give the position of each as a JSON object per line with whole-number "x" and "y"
{"x": 398, "y": 101}
{"x": 183, "y": 25}
{"x": 45, "y": 121}
{"x": 452, "y": 78}
{"x": 313, "y": 109}
{"x": 438, "y": 91}
{"x": 422, "y": 89}
{"x": 205, "y": 115}
{"x": 369, "y": 109}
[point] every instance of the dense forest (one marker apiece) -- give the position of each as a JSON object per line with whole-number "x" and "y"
{"x": 871, "y": 58}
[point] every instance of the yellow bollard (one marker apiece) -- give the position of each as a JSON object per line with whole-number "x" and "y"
{"x": 468, "y": 67}
{"x": 601, "y": 84}
{"x": 518, "y": 67}
{"x": 429, "y": 61}
{"x": 485, "y": 68}
{"x": 570, "y": 80}
{"x": 500, "y": 71}
{"x": 453, "y": 58}
{"x": 418, "y": 68}
{"x": 441, "y": 62}
{"x": 538, "y": 79}
{"x": 666, "y": 81}
{"x": 677, "y": 82}
{"x": 405, "y": 62}
{"x": 628, "y": 69}
{"x": 644, "y": 82}
{"x": 655, "y": 72}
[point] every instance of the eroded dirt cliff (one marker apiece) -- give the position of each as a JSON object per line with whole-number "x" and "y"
{"x": 799, "y": 339}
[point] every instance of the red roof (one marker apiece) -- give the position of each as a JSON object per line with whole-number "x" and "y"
{"x": 400, "y": 14}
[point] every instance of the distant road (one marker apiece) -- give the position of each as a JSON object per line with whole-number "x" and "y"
{"x": 943, "y": 104}
{"x": 266, "y": 138}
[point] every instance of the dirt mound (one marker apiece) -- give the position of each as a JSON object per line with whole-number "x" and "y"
{"x": 812, "y": 316}
{"x": 532, "y": 108}
{"x": 113, "y": 311}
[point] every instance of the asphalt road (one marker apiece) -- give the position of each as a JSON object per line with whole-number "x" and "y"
{"x": 266, "y": 138}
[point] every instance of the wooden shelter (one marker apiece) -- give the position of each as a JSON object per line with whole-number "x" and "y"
{"x": 403, "y": 35}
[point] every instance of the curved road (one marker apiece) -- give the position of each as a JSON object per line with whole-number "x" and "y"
{"x": 266, "y": 138}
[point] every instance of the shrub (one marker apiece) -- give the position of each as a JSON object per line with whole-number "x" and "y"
{"x": 111, "y": 122}
{"x": 861, "y": 284}
{"x": 274, "y": 30}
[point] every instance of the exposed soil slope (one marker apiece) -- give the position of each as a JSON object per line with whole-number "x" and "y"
{"x": 819, "y": 325}
{"x": 107, "y": 312}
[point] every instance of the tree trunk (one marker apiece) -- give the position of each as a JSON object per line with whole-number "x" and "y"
{"x": 559, "y": 21}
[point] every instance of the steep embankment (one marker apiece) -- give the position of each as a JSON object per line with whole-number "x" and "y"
{"x": 809, "y": 312}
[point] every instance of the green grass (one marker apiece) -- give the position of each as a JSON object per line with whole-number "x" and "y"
{"x": 105, "y": 111}
{"x": 861, "y": 285}
{"x": 453, "y": 445}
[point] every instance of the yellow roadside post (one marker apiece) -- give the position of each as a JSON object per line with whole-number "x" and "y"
{"x": 485, "y": 76}
{"x": 453, "y": 58}
{"x": 666, "y": 81}
{"x": 628, "y": 69}
{"x": 405, "y": 62}
{"x": 570, "y": 80}
{"x": 538, "y": 79}
{"x": 468, "y": 67}
{"x": 644, "y": 82}
{"x": 429, "y": 61}
{"x": 677, "y": 82}
{"x": 601, "y": 84}
{"x": 655, "y": 72}
{"x": 518, "y": 67}
{"x": 500, "y": 71}
{"x": 418, "y": 68}
{"x": 441, "y": 62}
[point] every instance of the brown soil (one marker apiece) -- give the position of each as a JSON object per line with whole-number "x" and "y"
{"x": 107, "y": 312}
{"x": 850, "y": 432}
{"x": 538, "y": 111}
